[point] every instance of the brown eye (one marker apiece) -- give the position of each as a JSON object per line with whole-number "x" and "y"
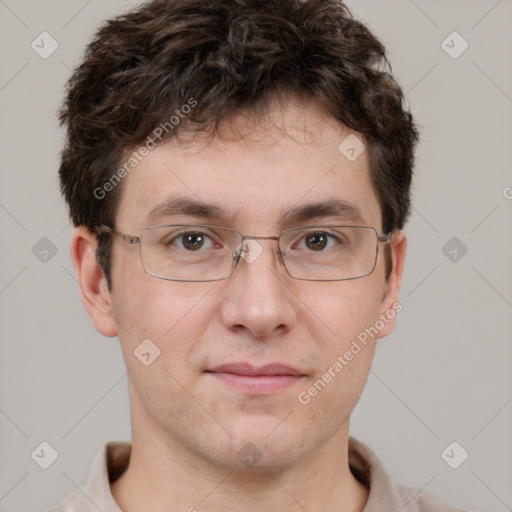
{"x": 193, "y": 241}
{"x": 317, "y": 241}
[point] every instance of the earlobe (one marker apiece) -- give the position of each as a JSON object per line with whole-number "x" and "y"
{"x": 93, "y": 286}
{"x": 390, "y": 304}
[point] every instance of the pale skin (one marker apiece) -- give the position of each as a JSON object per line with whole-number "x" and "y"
{"x": 188, "y": 427}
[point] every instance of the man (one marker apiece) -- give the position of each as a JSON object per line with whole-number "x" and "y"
{"x": 238, "y": 176}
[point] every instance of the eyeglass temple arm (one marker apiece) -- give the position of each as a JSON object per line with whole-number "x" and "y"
{"x": 128, "y": 239}
{"x": 384, "y": 238}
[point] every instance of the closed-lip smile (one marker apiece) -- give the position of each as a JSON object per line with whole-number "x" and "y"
{"x": 257, "y": 380}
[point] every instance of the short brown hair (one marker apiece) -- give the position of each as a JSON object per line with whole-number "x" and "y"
{"x": 229, "y": 56}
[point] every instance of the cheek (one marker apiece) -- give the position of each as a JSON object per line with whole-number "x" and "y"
{"x": 164, "y": 312}
{"x": 345, "y": 309}
{"x": 345, "y": 354}
{"x": 144, "y": 304}
{"x": 160, "y": 325}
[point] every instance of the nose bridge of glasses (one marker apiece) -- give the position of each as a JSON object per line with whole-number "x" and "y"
{"x": 257, "y": 237}
{"x": 249, "y": 249}
{"x": 250, "y": 240}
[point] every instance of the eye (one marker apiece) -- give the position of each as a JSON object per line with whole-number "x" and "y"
{"x": 318, "y": 241}
{"x": 192, "y": 241}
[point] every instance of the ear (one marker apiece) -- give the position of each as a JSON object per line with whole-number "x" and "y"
{"x": 390, "y": 304}
{"x": 93, "y": 285}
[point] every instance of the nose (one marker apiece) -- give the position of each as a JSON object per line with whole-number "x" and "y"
{"x": 258, "y": 298}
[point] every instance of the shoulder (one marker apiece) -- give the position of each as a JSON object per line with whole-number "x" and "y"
{"x": 419, "y": 501}
{"x": 74, "y": 502}
{"x": 385, "y": 494}
{"x": 109, "y": 463}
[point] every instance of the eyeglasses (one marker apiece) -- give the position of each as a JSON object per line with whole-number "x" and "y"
{"x": 202, "y": 252}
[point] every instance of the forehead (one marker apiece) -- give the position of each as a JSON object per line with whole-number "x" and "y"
{"x": 282, "y": 169}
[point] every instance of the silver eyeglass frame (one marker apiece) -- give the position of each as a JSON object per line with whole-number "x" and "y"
{"x": 136, "y": 239}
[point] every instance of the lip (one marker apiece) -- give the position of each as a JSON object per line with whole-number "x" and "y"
{"x": 261, "y": 380}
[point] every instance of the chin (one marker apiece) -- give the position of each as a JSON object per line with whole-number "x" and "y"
{"x": 260, "y": 447}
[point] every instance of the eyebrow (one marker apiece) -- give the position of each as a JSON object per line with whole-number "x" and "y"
{"x": 327, "y": 208}
{"x": 333, "y": 207}
{"x": 192, "y": 208}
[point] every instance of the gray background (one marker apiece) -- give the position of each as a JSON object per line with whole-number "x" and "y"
{"x": 444, "y": 374}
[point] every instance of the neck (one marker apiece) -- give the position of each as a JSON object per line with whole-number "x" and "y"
{"x": 163, "y": 476}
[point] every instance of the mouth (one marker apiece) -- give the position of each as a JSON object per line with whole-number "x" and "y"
{"x": 263, "y": 380}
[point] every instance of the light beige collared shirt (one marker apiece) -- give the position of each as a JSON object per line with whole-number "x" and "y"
{"x": 385, "y": 495}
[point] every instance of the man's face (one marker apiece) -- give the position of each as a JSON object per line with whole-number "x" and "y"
{"x": 260, "y": 315}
